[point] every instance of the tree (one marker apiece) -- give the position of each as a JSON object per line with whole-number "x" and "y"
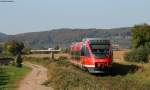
{"x": 56, "y": 47}
{"x": 13, "y": 47}
{"x": 140, "y": 43}
{"x": 141, "y": 36}
{"x": 19, "y": 60}
{"x": 26, "y": 51}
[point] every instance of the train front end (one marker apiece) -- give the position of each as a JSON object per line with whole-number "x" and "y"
{"x": 100, "y": 51}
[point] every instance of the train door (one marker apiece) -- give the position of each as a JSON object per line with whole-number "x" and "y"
{"x": 85, "y": 56}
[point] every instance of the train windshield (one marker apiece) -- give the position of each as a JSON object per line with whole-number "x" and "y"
{"x": 100, "y": 51}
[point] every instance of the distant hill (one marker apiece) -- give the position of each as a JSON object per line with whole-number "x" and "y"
{"x": 64, "y": 37}
{"x": 2, "y": 37}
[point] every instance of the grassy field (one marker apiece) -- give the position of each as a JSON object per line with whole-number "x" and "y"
{"x": 124, "y": 76}
{"x": 119, "y": 54}
{"x": 10, "y": 76}
{"x": 47, "y": 55}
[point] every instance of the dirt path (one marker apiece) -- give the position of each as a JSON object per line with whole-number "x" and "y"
{"x": 34, "y": 80}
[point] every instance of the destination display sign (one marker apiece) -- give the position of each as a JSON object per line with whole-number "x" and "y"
{"x": 99, "y": 46}
{"x": 99, "y": 42}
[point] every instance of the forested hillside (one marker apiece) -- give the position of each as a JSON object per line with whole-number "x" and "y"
{"x": 64, "y": 37}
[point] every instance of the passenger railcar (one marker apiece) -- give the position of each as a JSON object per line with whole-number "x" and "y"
{"x": 92, "y": 54}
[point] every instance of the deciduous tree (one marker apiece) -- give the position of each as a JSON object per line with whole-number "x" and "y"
{"x": 13, "y": 47}
{"x": 141, "y": 36}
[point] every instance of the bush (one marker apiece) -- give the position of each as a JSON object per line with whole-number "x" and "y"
{"x": 65, "y": 50}
{"x": 26, "y": 51}
{"x": 137, "y": 55}
{"x": 62, "y": 58}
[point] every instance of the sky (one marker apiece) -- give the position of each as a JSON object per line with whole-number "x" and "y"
{"x": 23, "y": 16}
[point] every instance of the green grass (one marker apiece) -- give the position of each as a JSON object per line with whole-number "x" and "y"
{"x": 124, "y": 76}
{"x": 10, "y": 76}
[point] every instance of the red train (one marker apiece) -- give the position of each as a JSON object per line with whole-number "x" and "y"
{"x": 92, "y": 54}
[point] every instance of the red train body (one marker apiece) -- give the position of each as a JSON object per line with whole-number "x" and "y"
{"x": 92, "y": 54}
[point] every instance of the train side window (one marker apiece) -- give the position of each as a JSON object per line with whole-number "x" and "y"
{"x": 87, "y": 52}
{"x": 83, "y": 51}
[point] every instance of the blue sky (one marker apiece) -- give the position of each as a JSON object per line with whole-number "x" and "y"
{"x": 40, "y": 15}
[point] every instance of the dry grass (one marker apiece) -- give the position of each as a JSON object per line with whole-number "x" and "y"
{"x": 47, "y": 55}
{"x": 118, "y": 56}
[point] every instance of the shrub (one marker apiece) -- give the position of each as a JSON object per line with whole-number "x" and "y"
{"x": 62, "y": 58}
{"x": 137, "y": 55}
{"x": 26, "y": 51}
{"x": 65, "y": 50}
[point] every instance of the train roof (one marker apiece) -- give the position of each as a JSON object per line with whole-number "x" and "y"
{"x": 94, "y": 39}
